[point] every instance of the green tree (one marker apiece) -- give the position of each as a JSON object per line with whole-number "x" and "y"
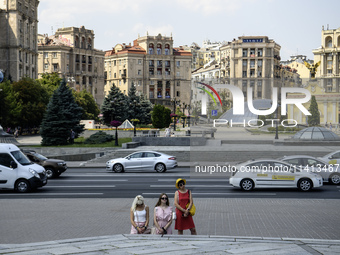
{"x": 134, "y": 110}
{"x": 31, "y": 100}
{"x": 86, "y": 101}
{"x": 167, "y": 117}
{"x": 50, "y": 81}
{"x": 158, "y": 116}
{"x": 145, "y": 110}
{"x": 314, "y": 119}
{"x": 62, "y": 115}
{"x": 115, "y": 106}
{"x": 7, "y": 103}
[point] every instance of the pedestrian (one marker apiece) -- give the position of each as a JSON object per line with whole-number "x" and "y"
{"x": 162, "y": 216}
{"x": 167, "y": 132}
{"x": 330, "y": 126}
{"x": 326, "y": 125}
{"x": 72, "y": 136}
{"x": 139, "y": 216}
{"x": 183, "y": 202}
{"x": 16, "y": 133}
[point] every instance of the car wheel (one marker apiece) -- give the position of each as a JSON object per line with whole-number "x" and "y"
{"x": 247, "y": 184}
{"x": 305, "y": 184}
{"x": 334, "y": 179}
{"x": 160, "y": 168}
{"x": 50, "y": 173}
{"x": 118, "y": 168}
{"x": 22, "y": 186}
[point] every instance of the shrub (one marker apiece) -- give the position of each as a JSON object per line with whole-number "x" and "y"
{"x": 99, "y": 137}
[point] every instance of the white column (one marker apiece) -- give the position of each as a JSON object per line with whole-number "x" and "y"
{"x": 325, "y": 111}
{"x": 334, "y": 112}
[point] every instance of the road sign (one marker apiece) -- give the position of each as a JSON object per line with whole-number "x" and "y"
{"x": 213, "y": 112}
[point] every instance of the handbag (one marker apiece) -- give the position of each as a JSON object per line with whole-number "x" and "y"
{"x": 192, "y": 210}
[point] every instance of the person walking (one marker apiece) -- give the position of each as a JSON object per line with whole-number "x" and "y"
{"x": 139, "y": 216}
{"x": 72, "y": 136}
{"x": 162, "y": 216}
{"x": 183, "y": 202}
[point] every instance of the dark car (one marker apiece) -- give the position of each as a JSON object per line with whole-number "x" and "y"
{"x": 53, "y": 167}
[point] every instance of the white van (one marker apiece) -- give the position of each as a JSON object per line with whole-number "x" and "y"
{"x": 17, "y": 171}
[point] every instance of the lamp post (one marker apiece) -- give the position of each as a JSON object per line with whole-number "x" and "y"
{"x": 175, "y": 102}
{"x": 184, "y": 107}
{"x": 189, "y": 108}
{"x": 134, "y": 104}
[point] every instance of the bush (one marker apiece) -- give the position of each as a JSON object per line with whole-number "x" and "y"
{"x": 99, "y": 137}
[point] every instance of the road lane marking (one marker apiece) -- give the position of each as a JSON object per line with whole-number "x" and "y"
{"x": 191, "y": 186}
{"x": 54, "y": 181}
{"x": 225, "y": 193}
{"x": 52, "y": 194}
{"x": 57, "y": 186}
{"x": 195, "y": 180}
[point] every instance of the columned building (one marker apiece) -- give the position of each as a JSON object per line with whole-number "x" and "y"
{"x": 70, "y": 52}
{"x": 159, "y": 71}
{"x": 252, "y": 61}
{"x": 18, "y": 38}
{"x": 329, "y": 56}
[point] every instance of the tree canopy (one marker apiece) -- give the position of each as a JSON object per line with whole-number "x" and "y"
{"x": 314, "y": 119}
{"x": 62, "y": 115}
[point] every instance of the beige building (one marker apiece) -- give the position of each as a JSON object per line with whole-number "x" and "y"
{"x": 329, "y": 56}
{"x": 297, "y": 63}
{"x": 252, "y": 61}
{"x": 18, "y": 38}
{"x": 70, "y": 52}
{"x": 159, "y": 71}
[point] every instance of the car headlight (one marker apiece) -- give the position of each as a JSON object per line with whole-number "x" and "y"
{"x": 34, "y": 173}
{"x": 61, "y": 164}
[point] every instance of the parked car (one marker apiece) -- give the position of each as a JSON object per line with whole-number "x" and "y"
{"x": 332, "y": 158}
{"x": 329, "y": 172}
{"x": 53, "y": 167}
{"x": 148, "y": 160}
{"x": 270, "y": 173}
{"x": 18, "y": 172}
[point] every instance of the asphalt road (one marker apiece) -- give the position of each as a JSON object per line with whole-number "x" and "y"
{"x": 98, "y": 183}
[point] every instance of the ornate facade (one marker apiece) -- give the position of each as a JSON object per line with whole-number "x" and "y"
{"x": 159, "y": 71}
{"x": 70, "y": 52}
{"x": 18, "y": 38}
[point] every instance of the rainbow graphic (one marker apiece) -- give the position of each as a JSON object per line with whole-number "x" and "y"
{"x": 213, "y": 90}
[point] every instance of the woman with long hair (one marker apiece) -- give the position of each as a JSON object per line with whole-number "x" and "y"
{"x": 162, "y": 216}
{"x": 139, "y": 216}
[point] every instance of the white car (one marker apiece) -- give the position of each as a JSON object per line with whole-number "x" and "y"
{"x": 270, "y": 173}
{"x": 332, "y": 158}
{"x": 329, "y": 172}
{"x": 149, "y": 160}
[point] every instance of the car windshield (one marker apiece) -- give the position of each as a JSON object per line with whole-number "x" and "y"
{"x": 21, "y": 158}
{"x": 39, "y": 156}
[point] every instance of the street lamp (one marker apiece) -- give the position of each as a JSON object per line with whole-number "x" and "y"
{"x": 184, "y": 107}
{"x": 189, "y": 108}
{"x": 134, "y": 104}
{"x": 175, "y": 102}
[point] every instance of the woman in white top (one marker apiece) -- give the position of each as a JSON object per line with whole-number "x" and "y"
{"x": 139, "y": 216}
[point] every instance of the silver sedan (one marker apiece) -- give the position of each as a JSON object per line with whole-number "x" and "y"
{"x": 148, "y": 160}
{"x": 329, "y": 172}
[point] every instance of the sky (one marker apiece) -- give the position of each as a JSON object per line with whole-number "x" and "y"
{"x": 295, "y": 25}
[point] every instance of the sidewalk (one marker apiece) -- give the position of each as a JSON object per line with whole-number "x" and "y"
{"x": 174, "y": 244}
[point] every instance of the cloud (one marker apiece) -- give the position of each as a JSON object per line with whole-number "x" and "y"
{"x": 142, "y": 29}
{"x": 211, "y": 7}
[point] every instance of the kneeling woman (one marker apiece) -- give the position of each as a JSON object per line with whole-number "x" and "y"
{"x": 139, "y": 216}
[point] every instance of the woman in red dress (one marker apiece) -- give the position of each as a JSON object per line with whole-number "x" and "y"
{"x": 183, "y": 218}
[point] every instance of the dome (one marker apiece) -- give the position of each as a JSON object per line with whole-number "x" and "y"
{"x": 316, "y": 133}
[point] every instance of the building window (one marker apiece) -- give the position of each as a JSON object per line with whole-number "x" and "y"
{"x": 167, "y": 49}
{"x": 114, "y": 62}
{"x": 178, "y": 83}
{"x": 139, "y": 72}
{"x": 159, "y": 89}
{"x": 178, "y": 63}
{"x": 159, "y": 49}
{"x": 152, "y": 91}
{"x": 259, "y": 52}
{"x": 244, "y": 73}
{"x": 139, "y": 61}
{"x": 178, "y": 94}
{"x": 259, "y": 89}
{"x": 244, "y": 52}
{"x": 178, "y": 74}
{"x": 46, "y": 54}
{"x": 55, "y": 54}
{"x": 151, "y": 48}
